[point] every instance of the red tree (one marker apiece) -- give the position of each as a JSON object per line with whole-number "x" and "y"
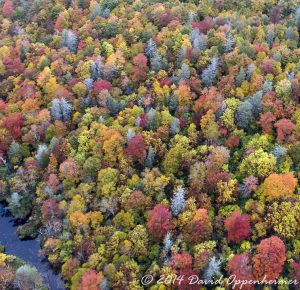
{"x": 136, "y": 148}
{"x": 182, "y": 261}
{"x": 269, "y": 258}
{"x": 139, "y": 71}
{"x": 160, "y": 221}
{"x": 8, "y": 8}
{"x": 296, "y": 271}
{"x": 13, "y": 125}
{"x": 165, "y": 18}
{"x": 100, "y": 86}
{"x": 13, "y": 65}
{"x": 237, "y": 226}
{"x": 266, "y": 122}
{"x": 136, "y": 201}
{"x": 3, "y": 106}
{"x": 205, "y": 25}
{"x": 91, "y": 280}
{"x": 284, "y": 128}
{"x": 199, "y": 228}
{"x": 50, "y": 209}
{"x": 267, "y": 66}
{"x": 232, "y": 141}
{"x": 240, "y": 267}
{"x": 296, "y": 90}
{"x": 184, "y": 279}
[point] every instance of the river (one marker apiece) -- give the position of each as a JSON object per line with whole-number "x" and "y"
{"x": 26, "y": 250}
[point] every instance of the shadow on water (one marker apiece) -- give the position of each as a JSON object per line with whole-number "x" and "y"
{"x": 27, "y": 250}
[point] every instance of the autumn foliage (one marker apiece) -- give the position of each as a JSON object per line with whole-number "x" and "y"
{"x": 278, "y": 186}
{"x": 237, "y": 226}
{"x": 269, "y": 258}
{"x": 160, "y": 221}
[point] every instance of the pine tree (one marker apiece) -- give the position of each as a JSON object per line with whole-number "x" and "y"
{"x": 191, "y": 17}
{"x": 279, "y": 152}
{"x": 151, "y": 48}
{"x": 212, "y": 269}
{"x": 184, "y": 72}
{"x": 270, "y": 36}
{"x": 175, "y": 126}
{"x": 97, "y": 68}
{"x": 167, "y": 245}
{"x": 178, "y": 201}
{"x": 130, "y": 134}
{"x": 267, "y": 86}
{"x": 173, "y": 103}
{"x": 251, "y": 69}
{"x": 66, "y": 109}
{"x": 151, "y": 118}
{"x": 229, "y": 43}
{"x": 61, "y": 110}
{"x": 15, "y": 200}
{"x": 209, "y": 74}
{"x": 150, "y": 157}
{"x": 256, "y": 102}
{"x": 42, "y": 155}
{"x": 240, "y": 77}
{"x": 181, "y": 56}
{"x": 69, "y": 40}
{"x": 96, "y": 11}
{"x": 297, "y": 18}
{"x": 200, "y": 41}
{"x": 89, "y": 84}
{"x": 289, "y": 33}
{"x": 13, "y": 150}
{"x": 244, "y": 116}
{"x": 56, "y": 113}
{"x": 277, "y": 56}
{"x": 156, "y": 62}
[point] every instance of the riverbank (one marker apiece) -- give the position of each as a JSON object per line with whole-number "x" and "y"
{"x": 26, "y": 250}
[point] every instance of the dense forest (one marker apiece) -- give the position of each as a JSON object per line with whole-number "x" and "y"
{"x": 160, "y": 138}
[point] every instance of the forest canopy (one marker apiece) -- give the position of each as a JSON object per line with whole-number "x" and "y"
{"x": 153, "y": 138}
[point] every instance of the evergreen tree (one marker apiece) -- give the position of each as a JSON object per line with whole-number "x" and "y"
{"x": 150, "y": 157}
{"x": 212, "y": 269}
{"x": 175, "y": 126}
{"x": 156, "y": 62}
{"x": 240, "y": 77}
{"x": 69, "y": 40}
{"x": 256, "y": 102}
{"x": 289, "y": 33}
{"x": 89, "y": 84}
{"x": 96, "y": 11}
{"x": 297, "y": 18}
{"x": 251, "y": 69}
{"x": 151, "y": 48}
{"x": 130, "y": 134}
{"x": 61, "y": 110}
{"x": 209, "y": 74}
{"x": 229, "y": 43}
{"x": 267, "y": 86}
{"x": 66, "y": 109}
{"x": 244, "y": 116}
{"x": 151, "y": 118}
{"x": 167, "y": 245}
{"x": 184, "y": 72}
{"x": 181, "y": 56}
{"x": 270, "y": 36}
{"x": 178, "y": 201}
{"x": 42, "y": 155}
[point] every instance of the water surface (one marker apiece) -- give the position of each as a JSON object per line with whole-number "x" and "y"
{"x": 26, "y": 250}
